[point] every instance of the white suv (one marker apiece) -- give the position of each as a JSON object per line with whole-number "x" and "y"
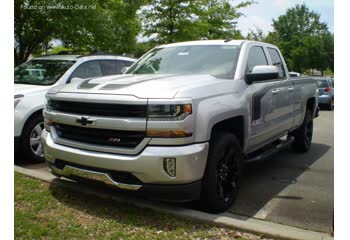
{"x": 34, "y": 78}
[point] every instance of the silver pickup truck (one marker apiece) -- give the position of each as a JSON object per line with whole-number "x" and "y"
{"x": 181, "y": 122}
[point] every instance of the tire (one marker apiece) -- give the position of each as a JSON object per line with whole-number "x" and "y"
{"x": 222, "y": 175}
{"x": 330, "y": 106}
{"x": 303, "y": 135}
{"x": 31, "y": 148}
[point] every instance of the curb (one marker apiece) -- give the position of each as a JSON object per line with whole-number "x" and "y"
{"x": 240, "y": 223}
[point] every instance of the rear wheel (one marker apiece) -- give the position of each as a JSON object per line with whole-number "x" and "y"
{"x": 303, "y": 135}
{"x": 31, "y": 148}
{"x": 222, "y": 174}
{"x": 330, "y": 106}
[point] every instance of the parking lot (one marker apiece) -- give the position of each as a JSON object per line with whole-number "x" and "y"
{"x": 289, "y": 188}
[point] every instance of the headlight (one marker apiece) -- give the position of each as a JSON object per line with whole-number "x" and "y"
{"x": 169, "y": 112}
{"x": 17, "y": 99}
{"x": 48, "y": 103}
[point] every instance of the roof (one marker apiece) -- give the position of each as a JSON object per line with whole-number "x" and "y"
{"x": 204, "y": 42}
{"x": 57, "y": 57}
{"x": 71, "y": 57}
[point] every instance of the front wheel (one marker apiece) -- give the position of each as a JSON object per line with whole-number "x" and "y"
{"x": 31, "y": 147}
{"x": 222, "y": 174}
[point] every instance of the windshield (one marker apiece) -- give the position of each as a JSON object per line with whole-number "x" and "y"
{"x": 216, "y": 60}
{"x": 322, "y": 83}
{"x": 41, "y": 72}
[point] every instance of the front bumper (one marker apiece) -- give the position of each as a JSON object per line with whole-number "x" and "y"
{"x": 147, "y": 166}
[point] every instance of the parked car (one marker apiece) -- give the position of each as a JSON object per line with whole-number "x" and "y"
{"x": 33, "y": 79}
{"x": 294, "y": 74}
{"x": 182, "y": 121}
{"x": 326, "y": 92}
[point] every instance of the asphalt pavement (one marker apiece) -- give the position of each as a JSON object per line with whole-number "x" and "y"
{"x": 289, "y": 188}
{"x": 292, "y": 188}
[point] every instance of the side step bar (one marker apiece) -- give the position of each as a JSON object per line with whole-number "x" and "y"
{"x": 269, "y": 151}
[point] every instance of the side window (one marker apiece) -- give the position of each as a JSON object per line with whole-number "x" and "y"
{"x": 119, "y": 66}
{"x": 108, "y": 67}
{"x": 277, "y": 61}
{"x": 128, "y": 63}
{"x": 256, "y": 57}
{"x": 88, "y": 70}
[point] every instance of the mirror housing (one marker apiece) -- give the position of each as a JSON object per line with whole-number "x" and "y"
{"x": 261, "y": 73}
{"x": 124, "y": 69}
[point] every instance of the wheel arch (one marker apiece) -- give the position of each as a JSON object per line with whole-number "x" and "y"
{"x": 311, "y": 105}
{"x": 233, "y": 125}
{"x": 30, "y": 117}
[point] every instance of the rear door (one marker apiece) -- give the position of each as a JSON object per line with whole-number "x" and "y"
{"x": 272, "y": 106}
{"x": 286, "y": 92}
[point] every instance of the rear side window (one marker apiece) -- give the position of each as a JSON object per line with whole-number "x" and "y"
{"x": 128, "y": 63}
{"x": 88, "y": 70}
{"x": 256, "y": 57}
{"x": 277, "y": 61}
{"x": 119, "y": 66}
{"x": 108, "y": 67}
{"x": 113, "y": 67}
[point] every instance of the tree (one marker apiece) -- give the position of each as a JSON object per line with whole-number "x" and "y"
{"x": 167, "y": 21}
{"x": 219, "y": 16}
{"x": 303, "y": 39}
{"x": 319, "y": 52}
{"x": 110, "y": 25}
{"x": 256, "y": 35}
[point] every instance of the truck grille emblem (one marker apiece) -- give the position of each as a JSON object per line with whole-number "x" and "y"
{"x": 84, "y": 121}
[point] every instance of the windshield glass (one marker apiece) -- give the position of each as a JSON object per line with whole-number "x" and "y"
{"x": 41, "y": 72}
{"x": 216, "y": 60}
{"x": 322, "y": 83}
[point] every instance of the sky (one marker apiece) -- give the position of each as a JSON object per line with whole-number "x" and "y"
{"x": 261, "y": 14}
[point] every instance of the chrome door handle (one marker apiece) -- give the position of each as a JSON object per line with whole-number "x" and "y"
{"x": 290, "y": 89}
{"x": 275, "y": 91}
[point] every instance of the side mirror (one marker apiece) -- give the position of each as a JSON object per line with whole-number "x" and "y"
{"x": 124, "y": 69}
{"x": 261, "y": 73}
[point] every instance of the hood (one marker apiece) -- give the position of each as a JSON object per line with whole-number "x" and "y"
{"x": 141, "y": 86}
{"x": 26, "y": 89}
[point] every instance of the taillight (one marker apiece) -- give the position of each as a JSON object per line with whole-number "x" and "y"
{"x": 327, "y": 90}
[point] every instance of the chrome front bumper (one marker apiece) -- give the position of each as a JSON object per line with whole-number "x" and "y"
{"x": 92, "y": 175}
{"x": 147, "y": 166}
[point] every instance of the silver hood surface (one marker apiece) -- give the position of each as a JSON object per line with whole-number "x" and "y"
{"x": 145, "y": 86}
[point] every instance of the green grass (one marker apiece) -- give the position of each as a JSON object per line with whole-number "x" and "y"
{"x": 44, "y": 211}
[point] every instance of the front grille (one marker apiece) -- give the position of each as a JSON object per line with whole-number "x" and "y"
{"x": 104, "y": 137}
{"x": 99, "y": 109}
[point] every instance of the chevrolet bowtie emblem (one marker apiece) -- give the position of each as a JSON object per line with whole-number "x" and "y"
{"x": 84, "y": 121}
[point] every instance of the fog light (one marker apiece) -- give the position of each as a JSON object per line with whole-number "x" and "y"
{"x": 169, "y": 165}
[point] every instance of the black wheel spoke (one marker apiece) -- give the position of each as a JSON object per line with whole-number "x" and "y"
{"x": 227, "y": 174}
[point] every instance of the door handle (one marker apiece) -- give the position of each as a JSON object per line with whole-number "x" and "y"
{"x": 290, "y": 89}
{"x": 275, "y": 91}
